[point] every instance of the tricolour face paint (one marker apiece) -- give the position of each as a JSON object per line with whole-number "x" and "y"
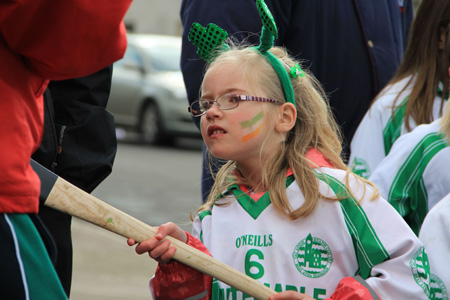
{"x": 250, "y": 124}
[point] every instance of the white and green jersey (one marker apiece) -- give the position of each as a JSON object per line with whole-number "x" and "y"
{"x": 415, "y": 174}
{"x": 312, "y": 254}
{"x": 378, "y": 129}
{"x": 435, "y": 235}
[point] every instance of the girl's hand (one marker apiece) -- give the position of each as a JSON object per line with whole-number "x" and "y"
{"x": 161, "y": 251}
{"x": 290, "y": 295}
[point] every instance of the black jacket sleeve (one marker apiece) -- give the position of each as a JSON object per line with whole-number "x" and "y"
{"x": 84, "y": 130}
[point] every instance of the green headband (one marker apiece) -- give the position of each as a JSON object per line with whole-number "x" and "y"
{"x": 211, "y": 40}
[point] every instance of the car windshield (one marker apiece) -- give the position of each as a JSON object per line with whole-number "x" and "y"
{"x": 165, "y": 58}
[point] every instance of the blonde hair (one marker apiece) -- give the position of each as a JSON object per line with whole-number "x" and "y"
{"x": 315, "y": 128}
{"x": 444, "y": 123}
{"x": 424, "y": 61}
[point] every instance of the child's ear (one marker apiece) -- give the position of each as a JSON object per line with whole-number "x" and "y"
{"x": 287, "y": 115}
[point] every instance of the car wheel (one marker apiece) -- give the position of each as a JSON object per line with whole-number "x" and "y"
{"x": 150, "y": 126}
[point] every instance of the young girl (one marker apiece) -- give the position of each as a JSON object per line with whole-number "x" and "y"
{"x": 415, "y": 95}
{"x": 285, "y": 210}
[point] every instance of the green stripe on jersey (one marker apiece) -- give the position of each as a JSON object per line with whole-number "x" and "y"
{"x": 407, "y": 193}
{"x": 40, "y": 276}
{"x": 368, "y": 247}
{"x": 202, "y": 215}
{"x": 393, "y": 128}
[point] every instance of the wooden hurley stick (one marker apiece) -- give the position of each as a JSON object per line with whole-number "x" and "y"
{"x": 61, "y": 195}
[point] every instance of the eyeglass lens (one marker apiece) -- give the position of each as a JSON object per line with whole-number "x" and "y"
{"x": 226, "y": 101}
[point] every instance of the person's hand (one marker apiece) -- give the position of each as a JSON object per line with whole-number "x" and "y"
{"x": 290, "y": 295}
{"x": 161, "y": 251}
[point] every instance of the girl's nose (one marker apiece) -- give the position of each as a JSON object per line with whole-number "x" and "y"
{"x": 213, "y": 111}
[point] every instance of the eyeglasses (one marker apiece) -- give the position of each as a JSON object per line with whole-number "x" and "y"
{"x": 224, "y": 102}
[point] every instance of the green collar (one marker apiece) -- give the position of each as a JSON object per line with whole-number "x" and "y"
{"x": 252, "y": 207}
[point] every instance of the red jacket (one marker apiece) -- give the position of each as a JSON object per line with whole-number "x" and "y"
{"x": 41, "y": 41}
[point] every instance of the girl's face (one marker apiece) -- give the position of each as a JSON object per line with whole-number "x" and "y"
{"x": 235, "y": 134}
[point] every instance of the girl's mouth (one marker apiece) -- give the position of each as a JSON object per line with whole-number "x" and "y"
{"x": 215, "y": 130}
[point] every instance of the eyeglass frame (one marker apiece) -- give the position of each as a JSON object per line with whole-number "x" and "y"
{"x": 240, "y": 97}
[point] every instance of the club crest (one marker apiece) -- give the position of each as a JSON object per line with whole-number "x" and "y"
{"x": 431, "y": 284}
{"x": 312, "y": 257}
{"x": 360, "y": 167}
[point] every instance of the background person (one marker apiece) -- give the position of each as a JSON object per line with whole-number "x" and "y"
{"x": 352, "y": 47}
{"x": 416, "y": 94}
{"x": 79, "y": 144}
{"x": 414, "y": 176}
{"x": 38, "y": 43}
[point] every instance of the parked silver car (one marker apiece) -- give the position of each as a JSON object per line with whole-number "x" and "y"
{"x": 147, "y": 91}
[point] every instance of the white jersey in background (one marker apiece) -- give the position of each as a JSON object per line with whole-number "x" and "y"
{"x": 378, "y": 129}
{"x": 435, "y": 235}
{"x": 416, "y": 173}
{"x": 311, "y": 255}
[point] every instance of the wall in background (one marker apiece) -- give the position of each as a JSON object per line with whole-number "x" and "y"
{"x": 154, "y": 16}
